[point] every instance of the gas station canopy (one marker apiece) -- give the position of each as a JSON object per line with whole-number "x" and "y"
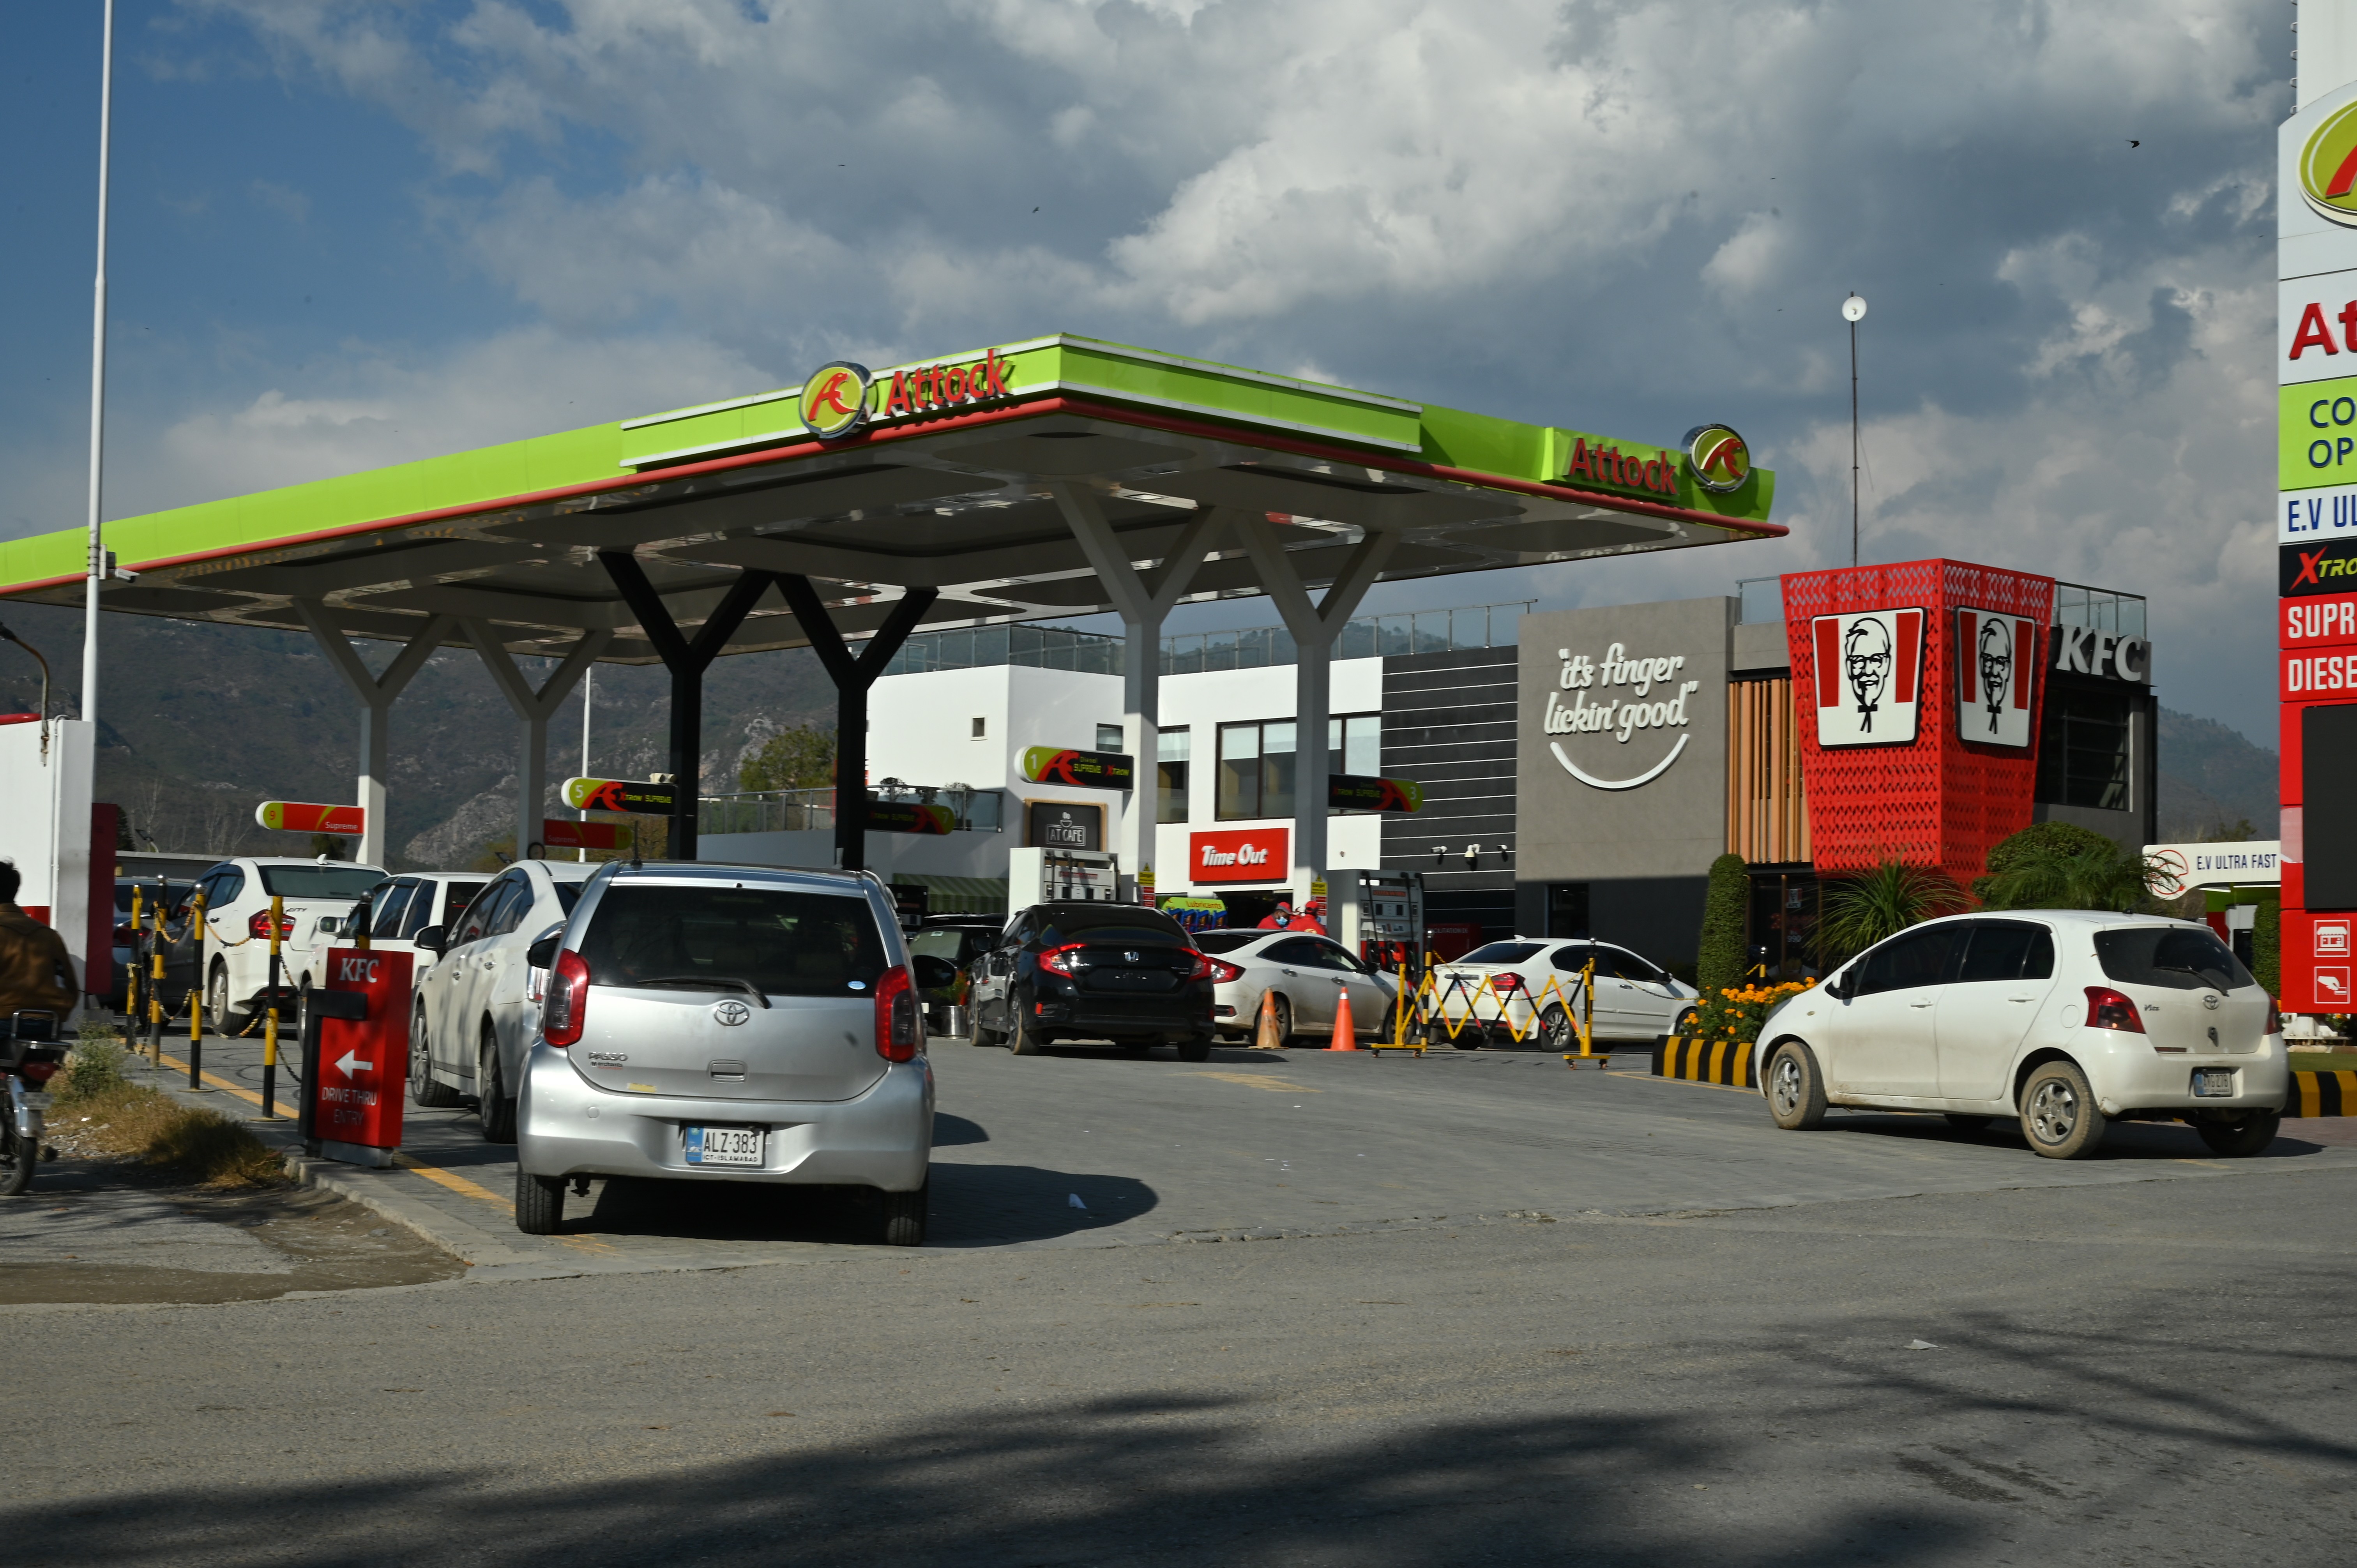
{"x": 945, "y": 475}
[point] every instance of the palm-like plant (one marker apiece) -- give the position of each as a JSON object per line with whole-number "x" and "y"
{"x": 1859, "y": 911}
{"x": 2094, "y": 877}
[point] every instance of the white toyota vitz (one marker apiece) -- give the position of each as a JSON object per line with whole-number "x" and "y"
{"x": 2068, "y": 1019}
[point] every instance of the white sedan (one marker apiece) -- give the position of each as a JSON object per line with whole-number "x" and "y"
{"x": 1306, "y": 975}
{"x": 2067, "y": 1019}
{"x": 1524, "y": 986}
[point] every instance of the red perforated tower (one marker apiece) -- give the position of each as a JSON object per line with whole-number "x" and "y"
{"x": 1939, "y": 800}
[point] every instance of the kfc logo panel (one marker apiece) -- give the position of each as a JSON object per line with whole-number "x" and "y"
{"x": 1869, "y": 676}
{"x": 1995, "y": 656}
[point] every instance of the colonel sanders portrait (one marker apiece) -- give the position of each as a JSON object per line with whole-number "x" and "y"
{"x": 1866, "y": 658}
{"x": 1997, "y": 666}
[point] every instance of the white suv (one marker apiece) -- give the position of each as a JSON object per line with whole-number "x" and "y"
{"x": 2067, "y": 1019}
{"x": 237, "y": 930}
{"x": 478, "y": 1004}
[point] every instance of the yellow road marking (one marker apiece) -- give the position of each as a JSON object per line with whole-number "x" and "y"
{"x": 454, "y": 1181}
{"x": 248, "y": 1096}
{"x": 1258, "y": 1081}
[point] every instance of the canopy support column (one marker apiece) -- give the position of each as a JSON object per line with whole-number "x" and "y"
{"x": 687, "y": 661}
{"x": 376, "y": 693}
{"x": 534, "y": 709}
{"x": 852, "y": 678}
{"x": 1142, "y": 605}
{"x": 1314, "y": 628}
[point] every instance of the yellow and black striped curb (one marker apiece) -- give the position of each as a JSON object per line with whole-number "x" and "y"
{"x": 1704, "y": 1061}
{"x": 2323, "y": 1094}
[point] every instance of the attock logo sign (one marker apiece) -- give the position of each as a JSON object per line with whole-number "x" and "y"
{"x": 2328, "y": 170}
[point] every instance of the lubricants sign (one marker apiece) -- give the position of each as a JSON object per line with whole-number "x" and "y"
{"x": 363, "y": 1064}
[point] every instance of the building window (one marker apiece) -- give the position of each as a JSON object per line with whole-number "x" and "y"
{"x": 980, "y": 726}
{"x": 1175, "y": 747}
{"x": 1257, "y": 770}
{"x": 1109, "y": 738}
{"x": 2083, "y": 751}
{"x": 1568, "y": 909}
{"x": 1354, "y": 744}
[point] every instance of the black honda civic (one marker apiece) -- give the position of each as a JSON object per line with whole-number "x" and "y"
{"x": 1094, "y": 972}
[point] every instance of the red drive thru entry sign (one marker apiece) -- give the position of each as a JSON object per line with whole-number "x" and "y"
{"x": 363, "y": 1064}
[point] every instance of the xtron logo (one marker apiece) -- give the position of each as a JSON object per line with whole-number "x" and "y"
{"x": 2328, "y": 168}
{"x": 834, "y": 400}
{"x": 2305, "y": 569}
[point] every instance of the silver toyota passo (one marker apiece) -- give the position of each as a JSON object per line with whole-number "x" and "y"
{"x": 728, "y": 1023}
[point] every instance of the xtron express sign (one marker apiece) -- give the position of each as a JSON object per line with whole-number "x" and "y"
{"x": 1634, "y": 696}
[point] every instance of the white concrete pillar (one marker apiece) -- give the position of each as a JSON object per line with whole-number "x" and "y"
{"x": 533, "y": 710}
{"x": 1142, "y": 605}
{"x": 376, "y": 693}
{"x": 1314, "y": 627}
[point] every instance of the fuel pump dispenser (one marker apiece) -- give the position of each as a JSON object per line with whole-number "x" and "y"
{"x": 1379, "y": 915}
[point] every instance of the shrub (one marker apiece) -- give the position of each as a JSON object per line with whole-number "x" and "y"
{"x": 2038, "y": 842}
{"x": 93, "y": 1067}
{"x": 1860, "y": 911}
{"x": 2266, "y": 947}
{"x": 1724, "y": 918}
{"x": 1736, "y": 1012}
{"x": 801, "y": 757}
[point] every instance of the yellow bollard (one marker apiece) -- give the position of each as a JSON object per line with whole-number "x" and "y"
{"x": 197, "y": 989}
{"x": 131, "y": 974}
{"x": 270, "y": 1022}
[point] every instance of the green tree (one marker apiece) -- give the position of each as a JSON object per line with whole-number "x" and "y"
{"x": 2266, "y": 946}
{"x": 2054, "y": 865}
{"x": 801, "y": 757}
{"x": 1859, "y": 911}
{"x": 1719, "y": 964}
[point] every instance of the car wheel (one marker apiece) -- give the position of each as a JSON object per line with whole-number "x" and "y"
{"x": 1022, "y": 1033}
{"x": 1796, "y": 1091}
{"x": 2059, "y": 1115}
{"x": 493, "y": 1105}
{"x": 904, "y": 1216}
{"x": 2240, "y": 1140}
{"x": 217, "y": 1013}
{"x": 1963, "y": 1123}
{"x": 1281, "y": 1010}
{"x": 539, "y": 1203}
{"x": 1688, "y": 1023}
{"x": 424, "y": 1090}
{"x": 1197, "y": 1049}
{"x": 1555, "y": 1032}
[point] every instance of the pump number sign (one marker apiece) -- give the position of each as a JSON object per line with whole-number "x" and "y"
{"x": 305, "y": 817}
{"x": 640, "y": 796}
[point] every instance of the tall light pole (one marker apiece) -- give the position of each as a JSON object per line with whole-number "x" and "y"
{"x": 1853, "y": 312}
{"x": 98, "y": 567}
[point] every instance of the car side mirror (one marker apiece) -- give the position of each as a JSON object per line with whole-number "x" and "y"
{"x": 1838, "y": 988}
{"x": 431, "y": 939}
{"x": 542, "y": 954}
{"x": 933, "y": 972}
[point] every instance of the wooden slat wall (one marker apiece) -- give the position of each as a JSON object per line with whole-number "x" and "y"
{"x": 1767, "y": 808}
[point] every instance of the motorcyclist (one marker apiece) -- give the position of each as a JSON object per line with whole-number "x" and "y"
{"x": 36, "y": 973}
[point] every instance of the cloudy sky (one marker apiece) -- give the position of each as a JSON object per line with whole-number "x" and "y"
{"x": 352, "y": 232}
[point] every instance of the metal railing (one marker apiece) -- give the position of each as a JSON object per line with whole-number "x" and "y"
{"x": 810, "y": 810}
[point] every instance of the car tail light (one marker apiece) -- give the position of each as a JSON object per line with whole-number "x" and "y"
{"x": 2107, "y": 1009}
{"x": 1217, "y": 969}
{"x": 1507, "y": 981}
{"x": 258, "y": 927}
{"x": 566, "y": 1011}
{"x": 896, "y": 1016}
{"x": 1059, "y": 959}
{"x": 126, "y": 934}
{"x": 38, "y": 1072}
{"x": 2275, "y": 1018}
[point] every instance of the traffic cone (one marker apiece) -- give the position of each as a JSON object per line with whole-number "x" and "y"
{"x": 1346, "y": 1038}
{"x": 1264, "y": 1032}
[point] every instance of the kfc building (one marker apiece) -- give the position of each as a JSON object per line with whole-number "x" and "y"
{"x": 1816, "y": 725}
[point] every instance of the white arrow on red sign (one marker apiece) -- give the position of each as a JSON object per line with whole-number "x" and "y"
{"x": 352, "y": 1060}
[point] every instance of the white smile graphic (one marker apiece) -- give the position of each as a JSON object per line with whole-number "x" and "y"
{"x": 1647, "y": 777}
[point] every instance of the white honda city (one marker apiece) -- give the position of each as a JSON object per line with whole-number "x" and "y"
{"x": 2067, "y": 1019}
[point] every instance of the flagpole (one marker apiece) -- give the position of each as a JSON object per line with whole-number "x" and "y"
{"x": 97, "y": 567}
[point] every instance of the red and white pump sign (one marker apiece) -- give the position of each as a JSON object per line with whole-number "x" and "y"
{"x": 363, "y": 1067}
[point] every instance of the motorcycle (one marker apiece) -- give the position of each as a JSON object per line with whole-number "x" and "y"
{"x": 30, "y": 1055}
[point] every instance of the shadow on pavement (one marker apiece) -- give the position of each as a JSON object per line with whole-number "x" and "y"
{"x": 950, "y": 1132}
{"x": 2122, "y": 1141}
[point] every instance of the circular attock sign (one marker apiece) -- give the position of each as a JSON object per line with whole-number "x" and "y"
{"x": 1721, "y": 461}
{"x": 834, "y": 400}
{"x": 2328, "y": 168}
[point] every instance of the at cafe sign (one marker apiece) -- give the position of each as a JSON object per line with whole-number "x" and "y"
{"x": 1630, "y": 696}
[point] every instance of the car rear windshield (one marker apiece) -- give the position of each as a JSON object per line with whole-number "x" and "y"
{"x": 1226, "y": 941}
{"x": 1112, "y": 924}
{"x": 2176, "y": 956}
{"x": 954, "y": 943}
{"x": 1502, "y": 953}
{"x": 788, "y": 943}
{"x": 344, "y": 882}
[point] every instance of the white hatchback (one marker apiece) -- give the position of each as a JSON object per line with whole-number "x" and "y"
{"x": 2067, "y": 1019}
